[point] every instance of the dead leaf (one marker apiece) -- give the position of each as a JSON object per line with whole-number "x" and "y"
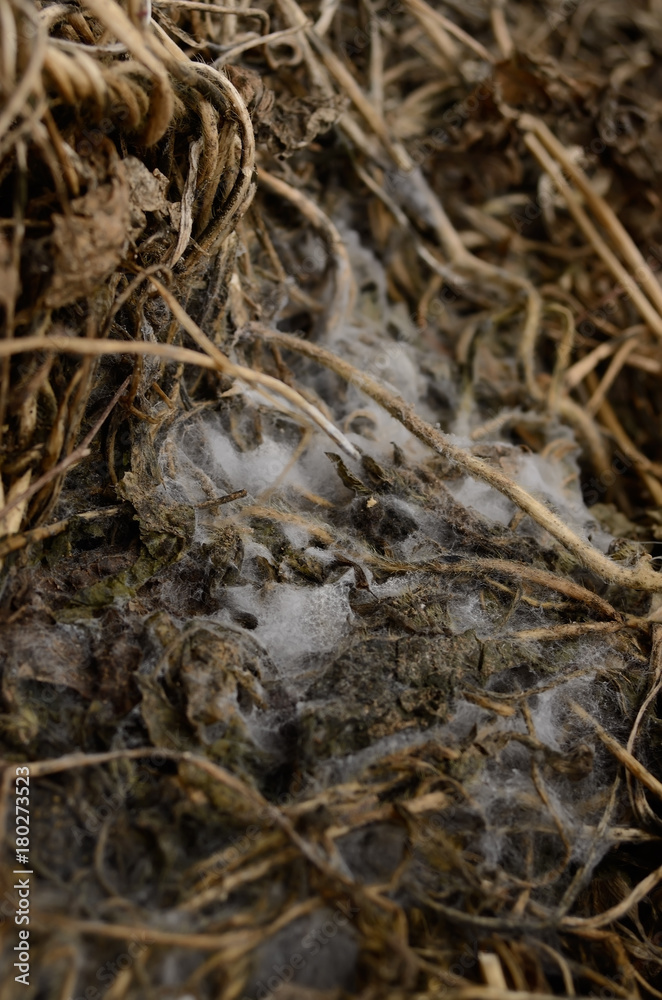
{"x": 90, "y": 243}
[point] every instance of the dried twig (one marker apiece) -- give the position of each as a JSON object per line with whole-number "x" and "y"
{"x": 70, "y": 460}
{"x": 640, "y": 577}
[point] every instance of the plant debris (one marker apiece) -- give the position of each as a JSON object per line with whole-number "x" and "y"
{"x": 331, "y": 498}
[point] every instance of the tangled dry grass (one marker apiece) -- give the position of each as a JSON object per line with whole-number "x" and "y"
{"x": 180, "y": 185}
